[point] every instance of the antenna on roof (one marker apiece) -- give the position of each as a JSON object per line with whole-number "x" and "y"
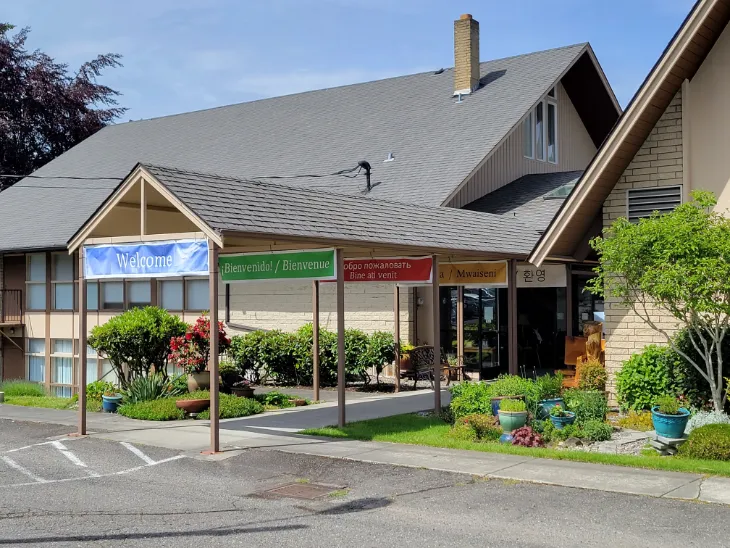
{"x": 366, "y": 166}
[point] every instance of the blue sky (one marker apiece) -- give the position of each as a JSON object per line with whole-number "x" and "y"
{"x": 182, "y": 55}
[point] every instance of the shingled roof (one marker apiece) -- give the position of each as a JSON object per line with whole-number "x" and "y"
{"x": 435, "y": 140}
{"x": 229, "y": 205}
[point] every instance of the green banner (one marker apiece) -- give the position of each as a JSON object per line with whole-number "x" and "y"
{"x": 285, "y": 265}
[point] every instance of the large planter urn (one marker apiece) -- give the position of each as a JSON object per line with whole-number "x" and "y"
{"x": 198, "y": 381}
{"x": 669, "y": 426}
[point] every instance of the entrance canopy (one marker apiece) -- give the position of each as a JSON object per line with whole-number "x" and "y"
{"x": 239, "y": 216}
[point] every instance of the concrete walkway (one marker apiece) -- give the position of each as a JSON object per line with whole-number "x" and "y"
{"x": 274, "y": 431}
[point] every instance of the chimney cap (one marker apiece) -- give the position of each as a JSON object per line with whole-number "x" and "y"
{"x": 465, "y": 16}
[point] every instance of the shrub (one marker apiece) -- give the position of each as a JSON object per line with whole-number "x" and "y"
{"x": 594, "y": 430}
{"x": 668, "y": 405}
{"x": 462, "y": 432}
{"x": 191, "y": 351}
{"x": 153, "y": 410}
{"x": 644, "y": 377}
{"x": 637, "y": 420}
{"x": 703, "y": 418}
{"x": 274, "y": 399}
{"x": 232, "y": 407}
{"x": 95, "y": 390}
{"x": 486, "y": 427}
{"x": 527, "y": 437}
{"x": 18, "y": 387}
{"x": 592, "y": 375}
{"x": 558, "y": 411}
{"x": 552, "y": 434}
{"x": 514, "y": 385}
{"x": 708, "y": 442}
{"x": 468, "y": 398}
{"x": 549, "y": 386}
{"x": 380, "y": 351}
{"x": 587, "y": 405}
{"x": 180, "y": 383}
{"x": 150, "y": 388}
{"x": 137, "y": 340}
{"x": 512, "y": 406}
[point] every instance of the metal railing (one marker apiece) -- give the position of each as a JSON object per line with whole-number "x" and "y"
{"x": 11, "y": 306}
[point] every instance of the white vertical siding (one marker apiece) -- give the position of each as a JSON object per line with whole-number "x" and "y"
{"x": 507, "y": 163}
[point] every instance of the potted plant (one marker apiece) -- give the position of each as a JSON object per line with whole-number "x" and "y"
{"x": 512, "y": 414}
{"x": 560, "y": 417}
{"x": 669, "y": 417}
{"x": 405, "y": 356}
{"x": 550, "y": 388}
{"x": 229, "y": 374}
{"x": 110, "y": 400}
{"x": 193, "y": 407}
{"x": 191, "y": 352}
{"x": 242, "y": 389}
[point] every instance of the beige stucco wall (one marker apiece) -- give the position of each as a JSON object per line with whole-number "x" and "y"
{"x": 708, "y": 118}
{"x": 659, "y": 162}
{"x": 507, "y": 163}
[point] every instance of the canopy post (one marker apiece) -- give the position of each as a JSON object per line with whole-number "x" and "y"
{"x": 512, "y": 316}
{"x": 315, "y": 339}
{"x": 213, "y": 357}
{"x": 436, "y": 301}
{"x": 340, "y": 337}
{"x": 82, "y": 345}
{"x": 460, "y": 325}
{"x": 396, "y": 334}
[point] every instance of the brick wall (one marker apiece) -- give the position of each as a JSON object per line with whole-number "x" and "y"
{"x": 288, "y": 306}
{"x": 658, "y": 163}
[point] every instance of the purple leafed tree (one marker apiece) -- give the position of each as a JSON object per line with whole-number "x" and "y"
{"x": 44, "y": 109}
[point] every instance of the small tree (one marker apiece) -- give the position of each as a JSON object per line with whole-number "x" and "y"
{"x": 677, "y": 263}
{"x": 136, "y": 341}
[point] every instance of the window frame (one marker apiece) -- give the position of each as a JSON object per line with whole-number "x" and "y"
{"x": 29, "y": 354}
{"x": 551, "y": 102}
{"x": 184, "y": 280}
{"x": 70, "y": 283}
{"x": 126, "y": 293}
{"x": 73, "y": 356}
{"x": 100, "y": 302}
{"x": 29, "y": 282}
{"x": 550, "y": 99}
{"x": 528, "y": 124}
{"x": 542, "y": 148}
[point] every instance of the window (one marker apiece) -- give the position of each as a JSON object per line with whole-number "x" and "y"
{"x": 112, "y": 295}
{"x": 539, "y": 131}
{"x": 196, "y": 295}
{"x": 171, "y": 294}
{"x": 551, "y": 93}
{"x": 552, "y": 133}
{"x": 107, "y": 372}
{"x": 527, "y": 137}
{"x": 92, "y": 295}
{"x": 36, "y": 282}
{"x": 139, "y": 294}
{"x": 92, "y": 365}
{"x": 62, "y": 367}
{"x": 62, "y": 281}
{"x": 36, "y": 360}
{"x": 642, "y": 202}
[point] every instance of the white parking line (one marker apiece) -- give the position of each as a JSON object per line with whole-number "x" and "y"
{"x": 137, "y": 452}
{"x": 10, "y": 462}
{"x": 68, "y": 454}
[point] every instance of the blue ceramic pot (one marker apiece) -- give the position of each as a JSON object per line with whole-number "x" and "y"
{"x": 110, "y": 403}
{"x": 544, "y": 407}
{"x": 561, "y": 422}
{"x": 669, "y": 426}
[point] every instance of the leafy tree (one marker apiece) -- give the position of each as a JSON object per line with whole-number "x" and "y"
{"x": 677, "y": 263}
{"x": 44, "y": 110}
{"x": 136, "y": 341}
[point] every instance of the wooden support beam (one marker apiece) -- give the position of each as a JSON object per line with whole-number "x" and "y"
{"x": 512, "y": 317}
{"x": 315, "y": 338}
{"x": 460, "y": 324}
{"x": 82, "y": 345}
{"x": 396, "y": 334}
{"x": 340, "y": 337}
{"x": 142, "y": 208}
{"x": 436, "y": 302}
{"x": 213, "y": 358}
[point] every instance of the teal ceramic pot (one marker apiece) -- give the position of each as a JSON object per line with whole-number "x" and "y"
{"x": 512, "y": 420}
{"x": 669, "y": 426}
{"x": 110, "y": 403}
{"x": 544, "y": 407}
{"x": 561, "y": 422}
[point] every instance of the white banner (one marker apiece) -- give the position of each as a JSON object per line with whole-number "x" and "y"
{"x": 549, "y": 275}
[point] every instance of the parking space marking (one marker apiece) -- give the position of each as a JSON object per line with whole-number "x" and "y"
{"x": 137, "y": 452}
{"x": 10, "y": 462}
{"x": 68, "y": 454}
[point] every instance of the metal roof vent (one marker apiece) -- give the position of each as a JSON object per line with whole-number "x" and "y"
{"x": 390, "y": 157}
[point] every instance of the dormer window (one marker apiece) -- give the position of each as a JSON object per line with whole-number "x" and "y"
{"x": 540, "y": 130}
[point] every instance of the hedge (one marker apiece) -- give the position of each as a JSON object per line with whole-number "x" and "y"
{"x": 286, "y": 358}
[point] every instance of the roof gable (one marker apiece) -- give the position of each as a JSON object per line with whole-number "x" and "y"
{"x": 680, "y": 61}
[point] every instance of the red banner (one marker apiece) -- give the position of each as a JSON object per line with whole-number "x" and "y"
{"x": 401, "y": 270}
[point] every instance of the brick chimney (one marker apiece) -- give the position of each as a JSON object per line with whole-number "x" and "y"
{"x": 466, "y": 55}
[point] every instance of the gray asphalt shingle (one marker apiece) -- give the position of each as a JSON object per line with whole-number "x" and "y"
{"x": 436, "y": 143}
{"x": 232, "y": 205}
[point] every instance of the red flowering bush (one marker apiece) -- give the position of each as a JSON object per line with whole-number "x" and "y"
{"x": 191, "y": 352}
{"x": 527, "y": 437}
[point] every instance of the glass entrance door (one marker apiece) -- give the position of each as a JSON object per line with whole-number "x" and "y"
{"x": 482, "y": 337}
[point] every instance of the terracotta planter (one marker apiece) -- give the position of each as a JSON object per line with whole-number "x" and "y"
{"x": 299, "y": 402}
{"x": 198, "y": 381}
{"x": 193, "y": 407}
{"x": 405, "y": 362}
{"x": 242, "y": 391}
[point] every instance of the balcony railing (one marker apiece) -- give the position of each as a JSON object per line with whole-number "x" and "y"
{"x": 11, "y": 307}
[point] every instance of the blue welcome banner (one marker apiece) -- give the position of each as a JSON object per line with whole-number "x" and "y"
{"x": 148, "y": 260}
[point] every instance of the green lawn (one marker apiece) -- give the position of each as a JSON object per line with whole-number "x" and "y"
{"x": 50, "y": 402}
{"x": 431, "y": 431}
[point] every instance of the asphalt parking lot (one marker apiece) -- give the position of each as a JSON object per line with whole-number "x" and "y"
{"x": 85, "y": 492}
